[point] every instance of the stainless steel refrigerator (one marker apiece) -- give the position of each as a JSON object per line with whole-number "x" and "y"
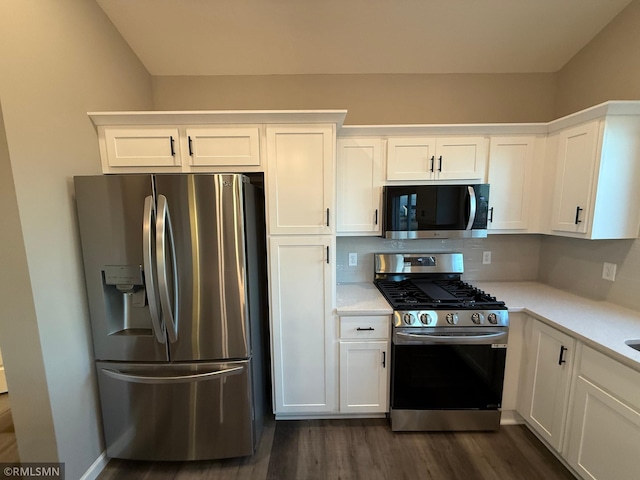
{"x": 175, "y": 275}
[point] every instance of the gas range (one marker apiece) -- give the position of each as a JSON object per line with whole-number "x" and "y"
{"x": 425, "y": 290}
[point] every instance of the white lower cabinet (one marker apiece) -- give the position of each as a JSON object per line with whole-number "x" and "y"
{"x": 302, "y": 324}
{"x": 604, "y": 428}
{"x": 547, "y": 378}
{"x": 364, "y": 364}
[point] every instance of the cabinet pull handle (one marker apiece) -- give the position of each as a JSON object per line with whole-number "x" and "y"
{"x": 578, "y": 210}
{"x": 384, "y": 359}
{"x": 327, "y": 217}
{"x": 440, "y": 164}
{"x": 327, "y": 254}
{"x": 433, "y": 158}
{"x": 376, "y": 216}
{"x": 190, "y": 147}
{"x": 368, "y": 329}
{"x": 491, "y": 214}
{"x": 173, "y": 151}
{"x": 561, "y": 359}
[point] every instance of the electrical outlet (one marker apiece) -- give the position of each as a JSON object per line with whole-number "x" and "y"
{"x": 353, "y": 259}
{"x": 486, "y": 258}
{"x": 609, "y": 271}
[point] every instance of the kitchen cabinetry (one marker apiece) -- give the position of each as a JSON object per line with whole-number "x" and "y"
{"x": 446, "y": 158}
{"x": 303, "y": 333}
{"x": 179, "y": 148}
{"x": 364, "y": 357}
{"x": 301, "y": 179}
{"x": 604, "y": 428}
{"x": 596, "y": 194}
{"x": 547, "y": 366}
{"x": 359, "y": 182}
{"x": 510, "y": 176}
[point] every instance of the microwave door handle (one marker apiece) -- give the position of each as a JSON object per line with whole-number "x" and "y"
{"x": 149, "y": 276}
{"x": 472, "y": 207}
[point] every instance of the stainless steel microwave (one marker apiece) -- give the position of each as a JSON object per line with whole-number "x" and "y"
{"x": 435, "y": 211}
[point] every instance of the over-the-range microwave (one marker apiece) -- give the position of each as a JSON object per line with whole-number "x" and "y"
{"x": 435, "y": 211}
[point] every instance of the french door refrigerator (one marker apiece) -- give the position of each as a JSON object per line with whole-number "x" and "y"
{"x": 175, "y": 276}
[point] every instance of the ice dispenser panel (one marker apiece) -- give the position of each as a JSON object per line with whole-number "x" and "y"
{"x": 126, "y": 300}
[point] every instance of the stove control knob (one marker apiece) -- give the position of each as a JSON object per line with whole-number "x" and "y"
{"x": 408, "y": 318}
{"x": 425, "y": 318}
{"x": 493, "y": 318}
{"x": 452, "y": 318}
{"x": 477, "y": 318}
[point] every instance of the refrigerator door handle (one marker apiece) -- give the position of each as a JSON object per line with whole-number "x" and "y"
{"x": 163, "y": 224}
{"x": 149, "y": 277}
{"x": 196, "y": 377}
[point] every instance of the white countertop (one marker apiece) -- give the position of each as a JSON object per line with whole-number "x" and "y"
{"x": 602, "y": 325}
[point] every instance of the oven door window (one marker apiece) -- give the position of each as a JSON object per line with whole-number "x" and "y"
{"x": 427, "y": 377}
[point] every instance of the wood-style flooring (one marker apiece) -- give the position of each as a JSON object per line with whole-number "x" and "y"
{"x": 8, "y": 445}
{"x": 367, "y": 450}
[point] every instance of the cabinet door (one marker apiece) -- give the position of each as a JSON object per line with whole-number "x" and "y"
{"x": 459, "y": 158}
{"x": 604, "y": 441}
{"x": 410, "y": 158}
{"x": 223, "y": 146}
{"x": 549, "y": 374}
{"x": 510, "y": 165}
{"x": 359, "y": 166}
{"x": 302, "y": 325}
{"x": 141, "y": 147}
{"x": 301, "y": 179}
{"x": 363, "y": 377}
{"x": 576, "y": 165}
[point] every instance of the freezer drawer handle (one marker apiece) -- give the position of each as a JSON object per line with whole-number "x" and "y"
{"x": 149, "y": 277}
{"x": 196, "y": 377}
{"x": 163, "y": 224}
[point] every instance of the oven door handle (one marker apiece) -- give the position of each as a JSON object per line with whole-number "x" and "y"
{"x": 486, "y": 338}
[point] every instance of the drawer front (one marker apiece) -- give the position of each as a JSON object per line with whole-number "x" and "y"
{"x": 368, "y": 326}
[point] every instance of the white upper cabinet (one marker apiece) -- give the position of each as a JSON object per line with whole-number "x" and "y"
{"x": 359, "y": 182}
{"x": 301, "y": 179}
{"x": 596, "y": 191}
{"x": 133, "y": 147}
{"x": 510, "y": 179}
{"x": 446, "y": 158}
{"x": 221, "y": 146}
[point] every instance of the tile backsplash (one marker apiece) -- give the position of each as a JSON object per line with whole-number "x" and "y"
{"x": 513, "y": 257}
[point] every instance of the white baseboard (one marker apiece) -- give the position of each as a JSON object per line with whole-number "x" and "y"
{"x": 96, "y": 467}
{"x": 511, "y": 417}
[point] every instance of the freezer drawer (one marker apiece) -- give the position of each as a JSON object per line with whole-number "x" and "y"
{"x": 177, "y": 411}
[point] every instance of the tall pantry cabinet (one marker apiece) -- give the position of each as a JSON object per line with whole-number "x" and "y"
{"x": 300, "y": 176}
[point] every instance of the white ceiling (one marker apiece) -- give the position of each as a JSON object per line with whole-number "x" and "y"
{"x": 261, "y": 37}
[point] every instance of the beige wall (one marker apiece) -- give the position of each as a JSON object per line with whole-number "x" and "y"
{"x": 59, "y": 60}
{"x": 608, "y": 68}
{"x": 371, "y": 99}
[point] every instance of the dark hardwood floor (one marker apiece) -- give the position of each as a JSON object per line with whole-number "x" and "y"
{"x": 8, "y": 445}
{"x": 367, "y": 450}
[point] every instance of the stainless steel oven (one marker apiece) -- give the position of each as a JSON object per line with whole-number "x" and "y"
{"x": 449, "y": 345}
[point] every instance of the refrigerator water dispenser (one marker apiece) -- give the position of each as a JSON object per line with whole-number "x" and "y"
{"x": 126, "y": 298}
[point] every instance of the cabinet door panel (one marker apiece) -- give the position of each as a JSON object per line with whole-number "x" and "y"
{"x": 510, "y": 164}
{"x": 577, "y": 156}
{"x": 223, "y": 146}
{"x": 410, "y": 158}
{"x": 303, "y": 331}
{"x": 604, "y": 441}
{"x": 359, "y": 186}
{"x": 142, "y": 147}
{"x": 301, "y": 178}
{"x": 363, "y": 377}
{"x": 461, "y": 158}
{"x": 550, "y": 370}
